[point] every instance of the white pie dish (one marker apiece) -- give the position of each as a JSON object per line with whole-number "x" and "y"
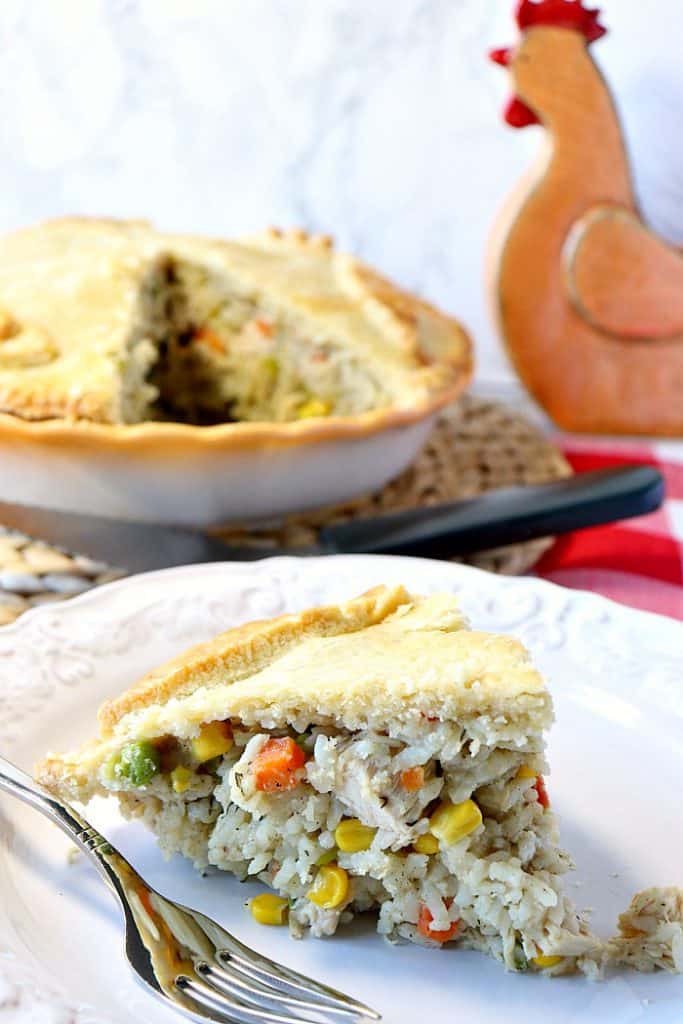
{"x": 615, "y": 678}
{"x": 207, "y": 476}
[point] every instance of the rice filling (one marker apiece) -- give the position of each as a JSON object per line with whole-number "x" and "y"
{"x": 496, "y": 888}
{"x": 203, "y": 351}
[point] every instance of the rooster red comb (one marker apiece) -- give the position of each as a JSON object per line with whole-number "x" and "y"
{"x": 569, "y": 14}
{"x": 562, "y": 14}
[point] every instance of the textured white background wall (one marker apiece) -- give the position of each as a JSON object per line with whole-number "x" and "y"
{"x": 377, "y": 121}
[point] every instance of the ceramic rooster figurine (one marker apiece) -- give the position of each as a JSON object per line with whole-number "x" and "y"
{"x": 588, "y": 299}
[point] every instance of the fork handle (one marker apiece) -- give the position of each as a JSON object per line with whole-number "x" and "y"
{"x": 17, "y": 783}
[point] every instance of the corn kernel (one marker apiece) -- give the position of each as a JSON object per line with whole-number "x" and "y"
{"x": 181, "y": 778}
{"x": 313, "y": 407}
{"x": 269, "y": 908}
{"x": 452, "y": 822}
{"x": 546, "y": 961}
{"x": 331, "y": 887}
{"x": 352, "y": 836}
{"x": 215, "y": 738}
{"x": 525, "y": 772}
{"x": 426, "y": 843}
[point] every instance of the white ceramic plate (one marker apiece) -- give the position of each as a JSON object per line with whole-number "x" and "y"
{"x": 616, "y": 752}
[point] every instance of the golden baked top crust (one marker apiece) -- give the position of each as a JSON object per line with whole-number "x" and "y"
{"x": 74, "y": 285}
{"x": 70, "y": 297}
{"x": 377, "y": 661}
{"x": 245, "y": 650}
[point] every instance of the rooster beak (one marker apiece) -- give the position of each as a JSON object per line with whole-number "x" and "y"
{"x": 500, "y": 56}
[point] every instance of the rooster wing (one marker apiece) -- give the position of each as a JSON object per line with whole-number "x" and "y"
{"x": 621, "y": 278}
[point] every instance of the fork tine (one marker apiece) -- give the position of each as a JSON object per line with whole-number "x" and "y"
{"x": 228, "y": 1007}
{"x": 258, "y": 993}
{"x": 278, "y": 976}
{"x": 255, "y": 967}
{"x": 258, "y": 967}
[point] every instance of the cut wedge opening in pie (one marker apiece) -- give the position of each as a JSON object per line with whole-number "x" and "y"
{"x": 376, "y": 755}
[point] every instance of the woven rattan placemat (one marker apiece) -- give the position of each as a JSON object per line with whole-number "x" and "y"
{"x": 476, "y": 446}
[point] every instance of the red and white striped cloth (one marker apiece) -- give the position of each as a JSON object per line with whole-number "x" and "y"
{"x": 638, "y": 561}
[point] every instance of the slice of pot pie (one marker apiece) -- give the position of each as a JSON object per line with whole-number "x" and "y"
{"x": 114, "y": 322}
{"x": 373, "y": 756}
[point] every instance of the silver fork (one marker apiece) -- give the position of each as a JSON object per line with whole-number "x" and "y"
{"x": 185, "y": 958}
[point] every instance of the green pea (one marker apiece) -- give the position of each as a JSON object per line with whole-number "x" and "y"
{"x": 138, "y": 762}
{"x": 327, "y": 857}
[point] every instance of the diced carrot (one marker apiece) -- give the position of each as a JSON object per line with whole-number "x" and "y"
{"x": 206, "y": 336}
{"x": 264, "y": 327}
{"x": 275, "y": 766}
{"x": 541, "y": 791}
{"x": 425, "y": 919}
{"x": 413, "y": 779}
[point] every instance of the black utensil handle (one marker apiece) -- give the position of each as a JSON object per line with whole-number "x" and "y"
{"x": 504, "y": 517}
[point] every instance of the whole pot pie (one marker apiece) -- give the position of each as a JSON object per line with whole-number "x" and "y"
{"x": 200, "y": 382}
{"x": 116, "y": 323}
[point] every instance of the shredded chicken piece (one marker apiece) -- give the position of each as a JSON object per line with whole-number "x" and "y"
{"x": 369, "y": 792}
